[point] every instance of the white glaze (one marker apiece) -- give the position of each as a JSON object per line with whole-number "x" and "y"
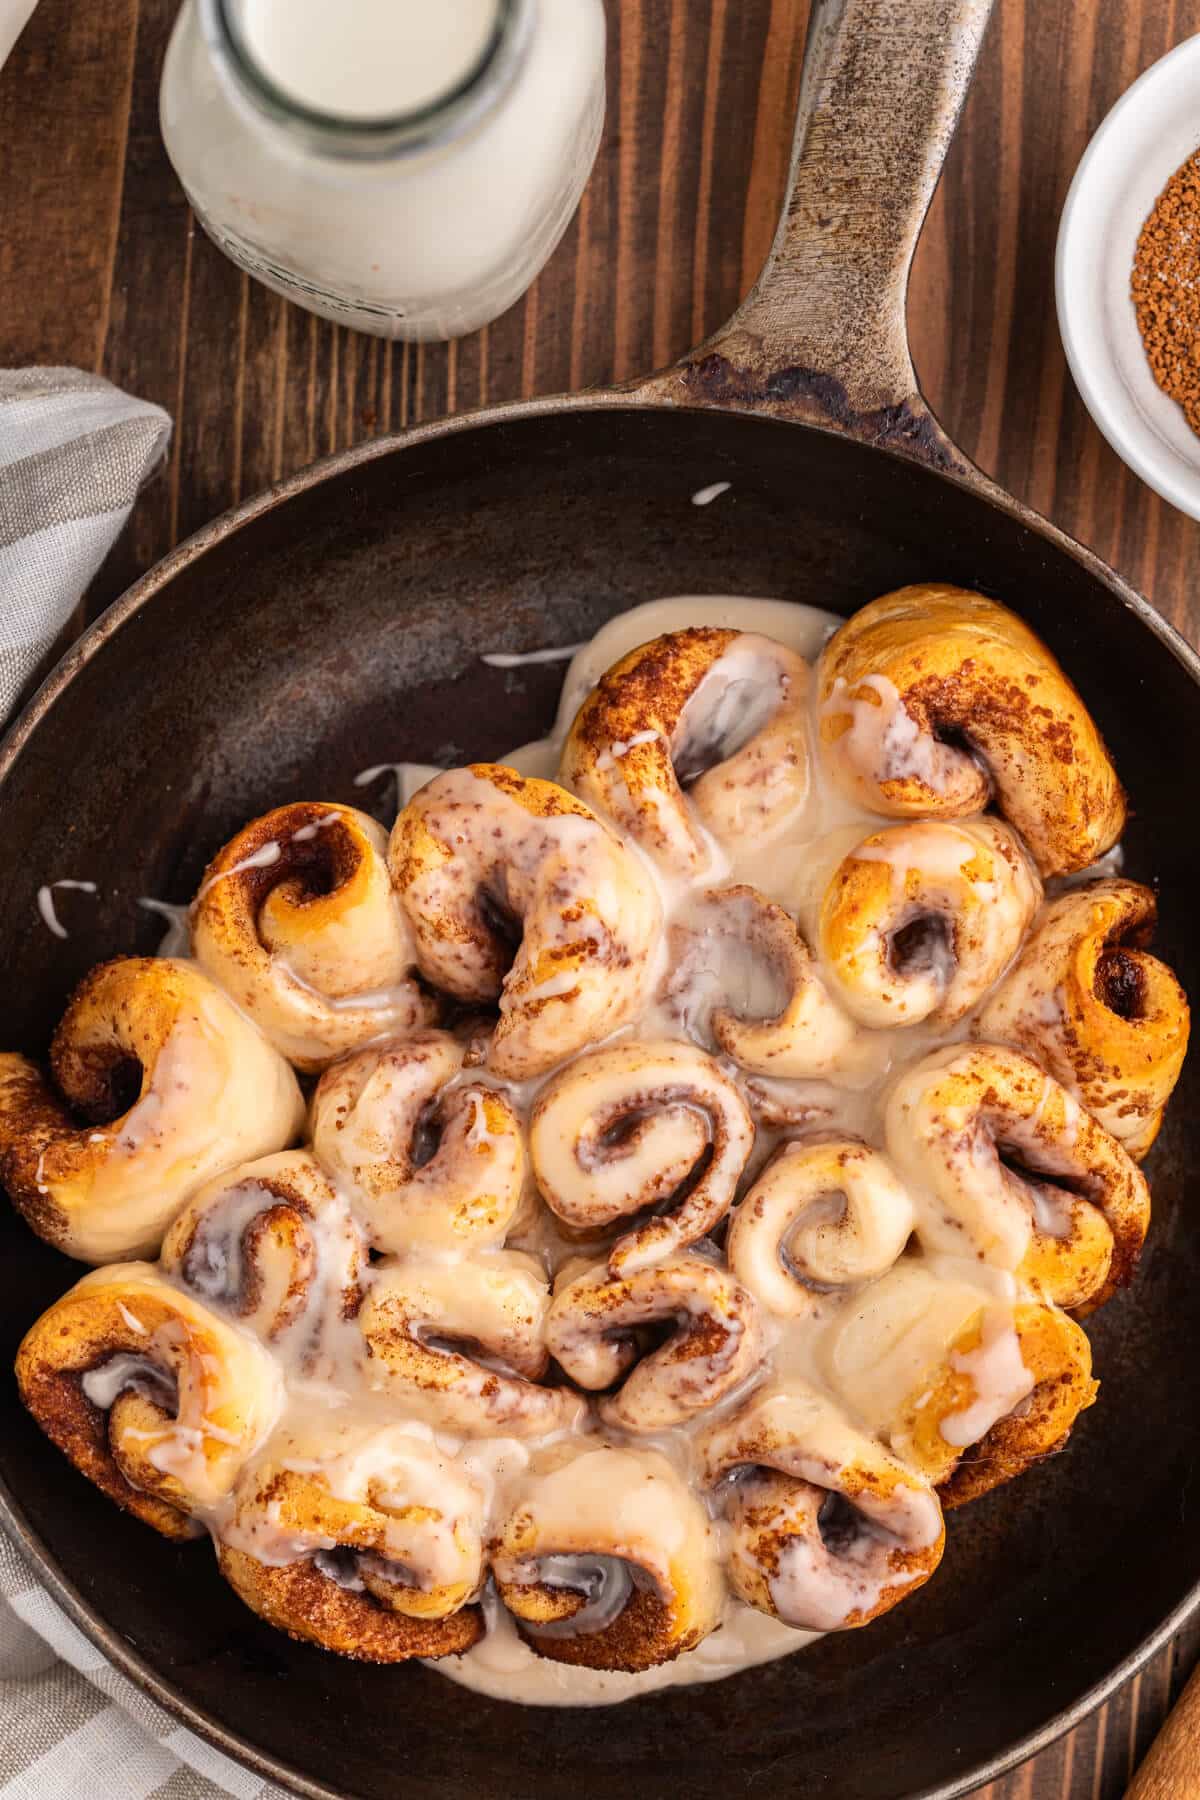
{"x": 862, "y": 1348}
{"x": 504, "y": 1667}
{"x": 518, "y": 659}
{"x": 177, "y": 939}
{"x": 706, "y": 495}
{"x": 45, "y": 901}
{"x": 410, "y": 778}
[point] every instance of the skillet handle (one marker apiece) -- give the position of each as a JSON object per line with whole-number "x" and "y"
{"x": 821, "y": 337}
{"x": 1171, "y": 1770}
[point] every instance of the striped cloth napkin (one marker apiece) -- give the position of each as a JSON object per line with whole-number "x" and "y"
{"x": 74, "y": 452}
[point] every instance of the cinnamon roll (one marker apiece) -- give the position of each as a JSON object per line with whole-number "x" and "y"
{"x": 297, "y": 920}
{"x": 374, "y": 1551}
{"x": 715, "y": 1342}
{"x": 969, "y": 1389}
{"x": 515, "y": 891}
{"x": 920, "y": 920}
{"x": 1011, "y": 1170}
{"x": 154, "y": 1398}
{"x": 638, "y": 1126}
{"x": 826, "y": 1530}
{"x": 430, "y": 1164}
{"x": 464, "y": 1344}
{"x": 1091, "y": 1005}
{"x": 735, "y": 945}
{"x": 274, "y": 1243}
{"x": 606, "y": 1559}
{"x": 826, "y": 1215}
{"x": 163, "y": 1084}
{"x": 703, "y": 728}
{"x": 935, "y": 700}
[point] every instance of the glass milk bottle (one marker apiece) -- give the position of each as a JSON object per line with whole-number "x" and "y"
{"x": 402, "y": 166}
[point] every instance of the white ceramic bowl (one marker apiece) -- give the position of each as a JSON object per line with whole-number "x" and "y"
{"x": 1152, "y": 129}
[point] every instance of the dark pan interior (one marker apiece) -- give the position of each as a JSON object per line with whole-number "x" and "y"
{"x": 343, "y": 628}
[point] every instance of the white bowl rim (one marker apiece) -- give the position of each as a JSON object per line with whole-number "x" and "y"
{"x": 1156, "y": 472}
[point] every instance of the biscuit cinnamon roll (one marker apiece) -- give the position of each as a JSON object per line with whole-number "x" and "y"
{"x": 636, "y": 1127}
{"x": 1009, "y": 1168}
{"x": 935, "y": 700}
{"x": 297, "y": 920}
{"x": 1086, "y": 999}
{"x": 464, "y": 1344}
{"x": 152, "y": 1396}
{"x": 920, "y": 920}
{"x": 826, "y": 1215}
{"x": 431, "y": 1162}
{"x": 715, "y": 1342}
{"x": 275, "y": 1244}
{"x": 966, "y": 1387}
{"x": 826, "y": 1530}
{"x": 742, "y": 977}
{"x": 699, "y": 730}
{"x": 516, "y": 892}
{"x": 374, "y": 1550}
{"x": 607, "y": 1560}
{"x": 159, "y": 1084}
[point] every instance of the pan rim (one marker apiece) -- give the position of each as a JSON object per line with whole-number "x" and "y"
{"x": 95, "y": 1628}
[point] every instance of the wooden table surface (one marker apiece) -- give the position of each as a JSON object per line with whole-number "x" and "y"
{"x": 101, "y": 265}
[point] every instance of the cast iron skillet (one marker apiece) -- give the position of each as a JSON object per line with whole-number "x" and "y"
{"x": 336, "y": 622}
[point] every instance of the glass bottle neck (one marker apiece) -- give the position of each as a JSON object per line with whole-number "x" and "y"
{"x": 320, "y": 74}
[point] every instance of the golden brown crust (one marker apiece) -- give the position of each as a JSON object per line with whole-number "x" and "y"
{"x": 967, "y": 889}
{"x": 626, "y": 1509}
{"x": 516, "y": 891}
{"x": 272, "y": 1222}
{"x": 640, "y": 1637}
{"x": 1086, "y": 999}
{"x": 53, "y": 1395}
{"x": 715, "y": 1340}
{"x": 162, "y": 1084}
{"x": 296, "y": 918}
{"x": 1059, "y": 1357}
{"x": 366, "y": 1121}
{"x": 797, "y": 1450}
{"x": 225, "y": 1392}
{"x": 423, "y": 1323}
{"x": 628, "y": 743}
{"x": 943, "y": 662}
{"x": 1071, "y": 1222}
{"x": 298, "y": 1599}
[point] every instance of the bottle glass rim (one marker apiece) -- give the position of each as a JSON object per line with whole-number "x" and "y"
{"x": 447, "y": 115}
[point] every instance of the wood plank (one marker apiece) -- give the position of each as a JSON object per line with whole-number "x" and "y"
{"x": 101, "y": 266}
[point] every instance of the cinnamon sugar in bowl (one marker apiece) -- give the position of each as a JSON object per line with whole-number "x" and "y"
{"x": 1138, "y": 152}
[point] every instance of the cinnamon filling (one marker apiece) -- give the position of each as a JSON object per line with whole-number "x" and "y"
{"x": 427, "y": 1135}
{"x": 340, "y": 1565}
{"x": 924, "y": 946}
{"x": 499, "y": 921}
{"x": 839, "y": 1524}
{"x": 1120, "y": 984}
{"x": 104, "y": 1083}
{"x": 604, "y": 1584}
{"x": 315, "y": 859}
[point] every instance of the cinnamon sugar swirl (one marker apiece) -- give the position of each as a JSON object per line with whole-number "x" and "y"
{"x": 158, "y": 1084}
{"x": 297, "y": 920}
